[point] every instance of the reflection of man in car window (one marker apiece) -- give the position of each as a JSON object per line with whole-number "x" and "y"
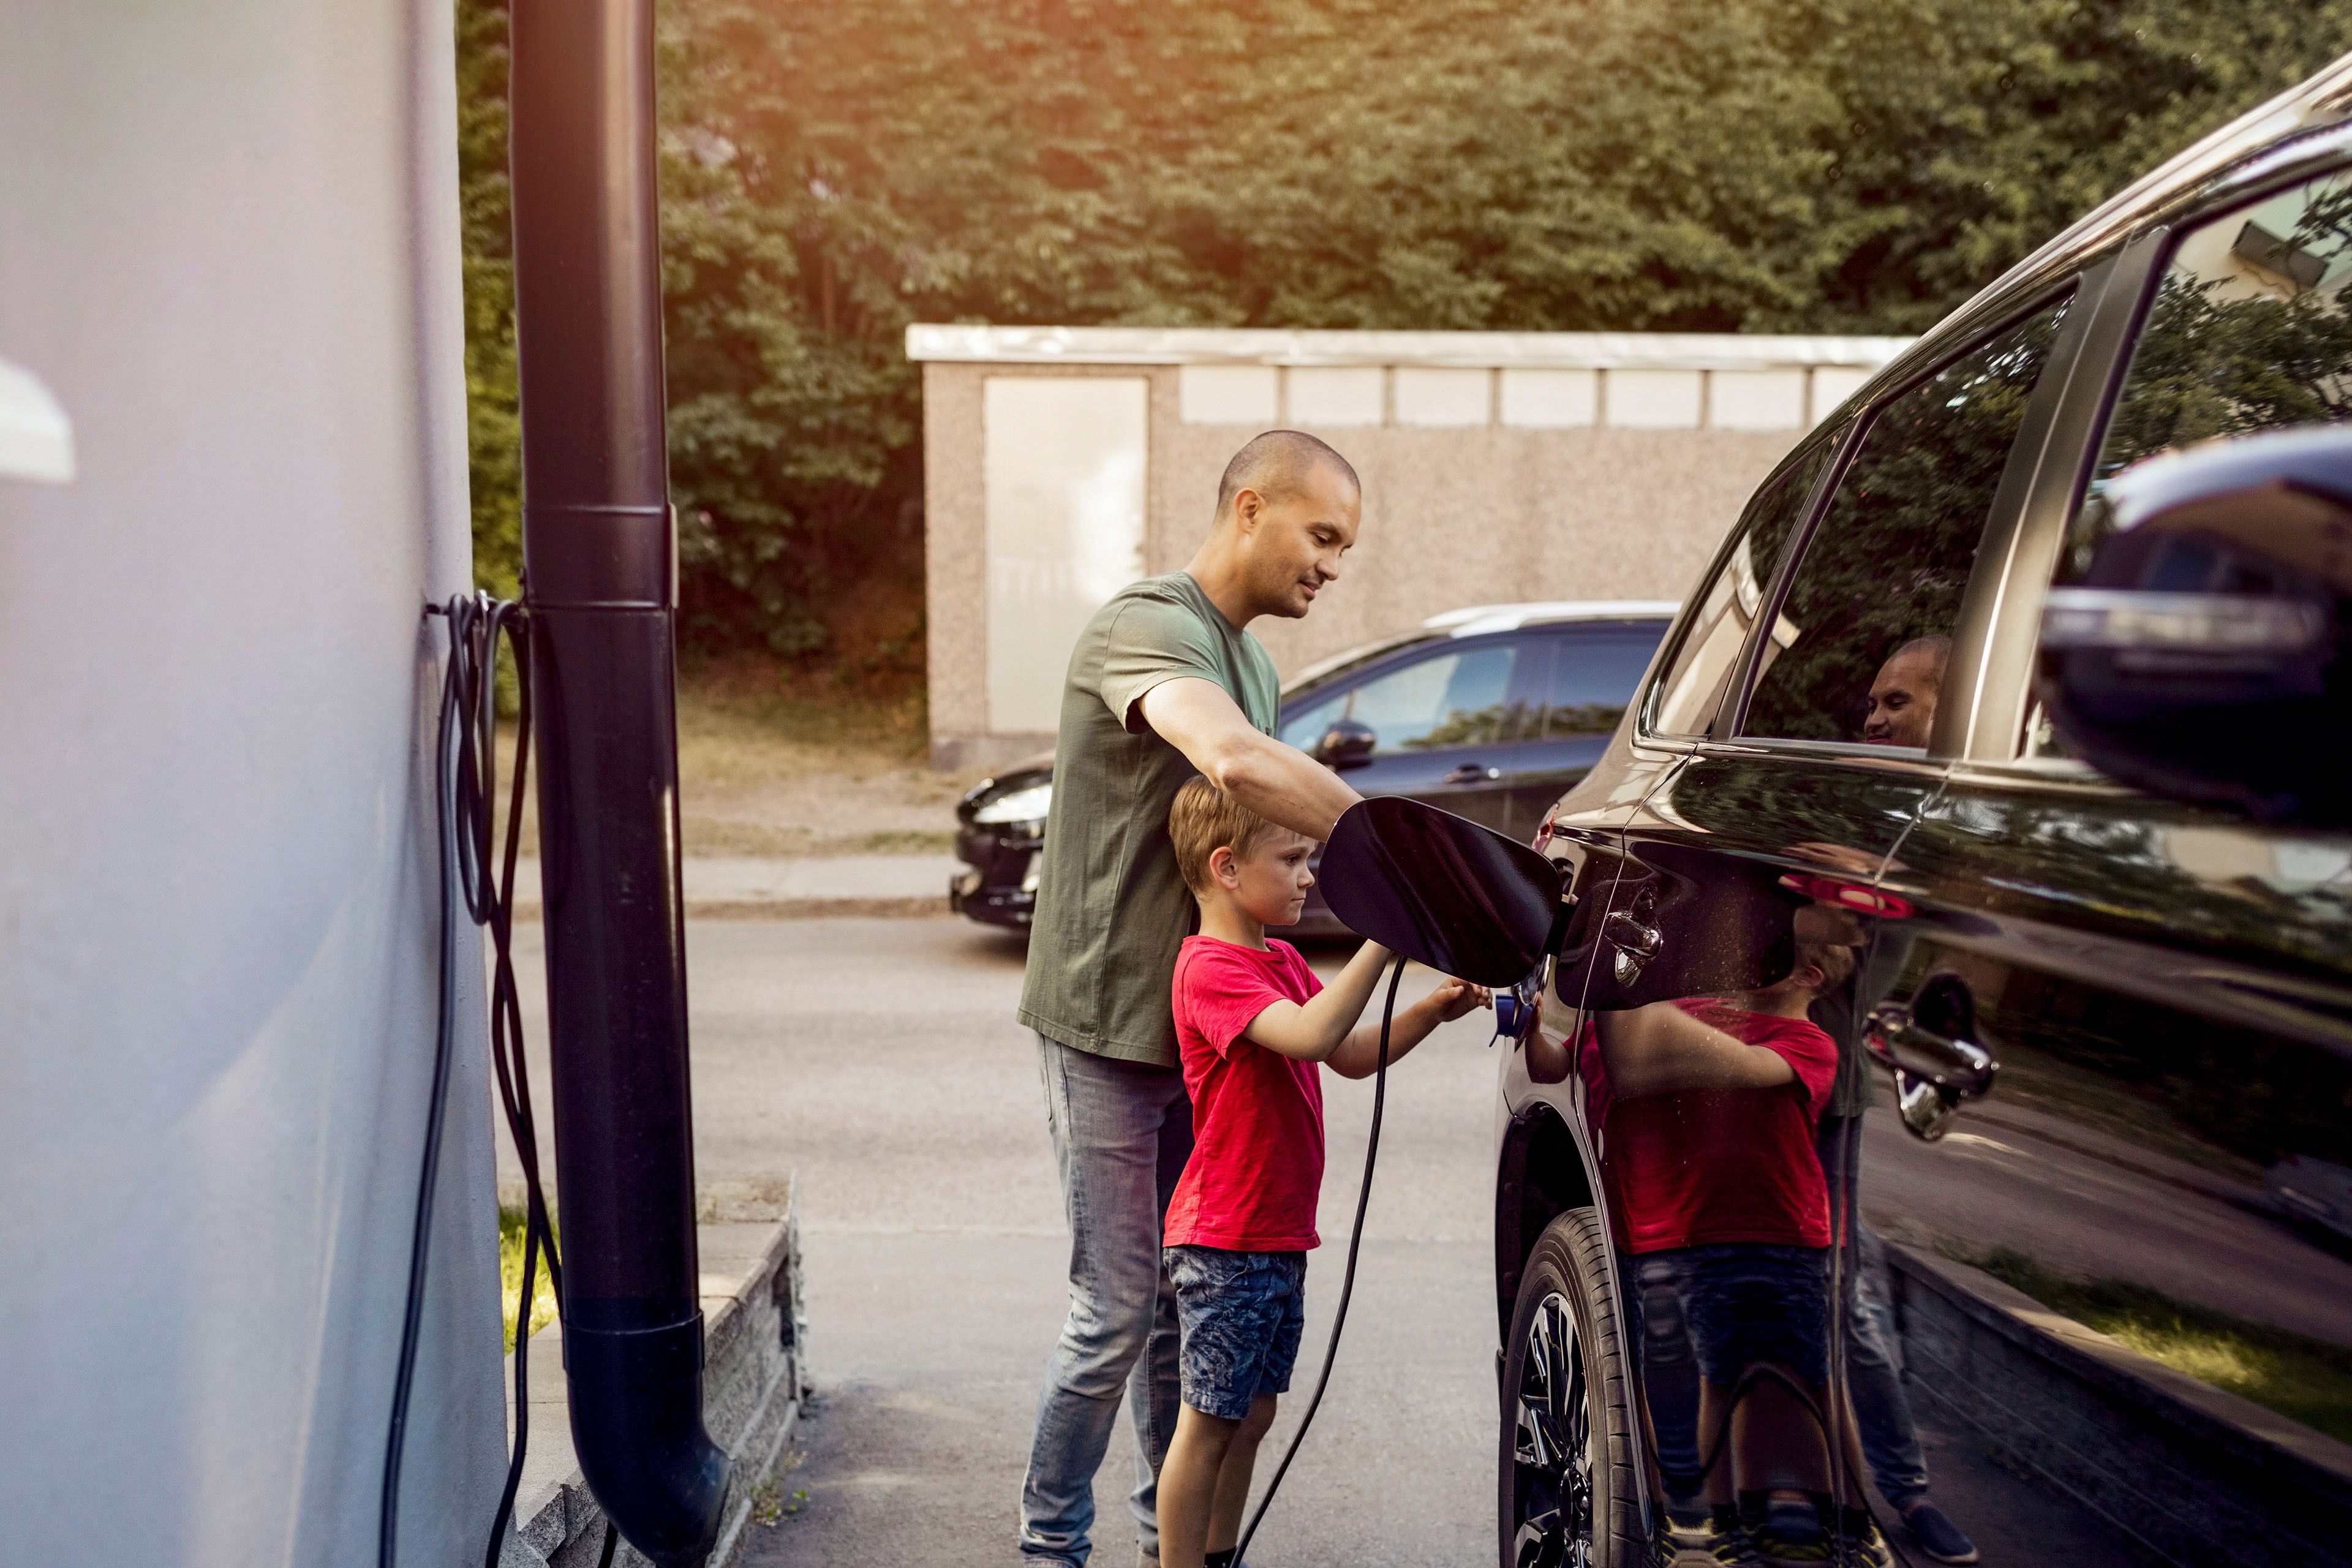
{"x": 1903, "y": 698}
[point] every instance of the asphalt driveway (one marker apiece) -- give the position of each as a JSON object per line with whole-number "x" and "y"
{"x": 878, "y": 1061}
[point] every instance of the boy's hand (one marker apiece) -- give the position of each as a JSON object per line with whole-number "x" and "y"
{"x": 1453, "y": 998}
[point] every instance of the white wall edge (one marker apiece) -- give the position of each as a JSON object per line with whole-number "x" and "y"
{"x": 1562, "y": 351}
{"x": 35, "y": 438}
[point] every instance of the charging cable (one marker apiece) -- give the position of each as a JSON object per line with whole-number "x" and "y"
{"x": 465, "y": 789}
{"x": 1347, "y": 1280}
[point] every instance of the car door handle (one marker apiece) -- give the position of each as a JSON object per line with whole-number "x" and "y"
{"x": 1898, "y": 1041}
{"x": 1636, "y": 944}
{"x": 1472, "y": 773}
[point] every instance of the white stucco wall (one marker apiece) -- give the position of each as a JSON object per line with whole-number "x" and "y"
{"x": 228, "y": 247}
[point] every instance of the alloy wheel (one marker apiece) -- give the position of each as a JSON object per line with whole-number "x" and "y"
{"x": 1552, "y": 1452}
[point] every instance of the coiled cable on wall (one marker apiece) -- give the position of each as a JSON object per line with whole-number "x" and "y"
{"x": 465, "y": 792}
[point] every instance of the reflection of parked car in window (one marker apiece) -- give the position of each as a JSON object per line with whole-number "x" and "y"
{"x": 2101, "y": 900}
{"x": 1488, "y": 711}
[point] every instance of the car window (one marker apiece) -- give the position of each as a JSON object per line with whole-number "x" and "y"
{"x": 1306, "y": 726}
{"x": 1591, "y": 678}
{"x": 1453, "y": 698}
{"x": 1859, "y": 649}
{"x": 2250, "y": 330}
{"x": 1685, "y": 700}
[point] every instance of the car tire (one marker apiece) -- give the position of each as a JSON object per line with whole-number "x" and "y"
{"x": 1569, "y": 1493}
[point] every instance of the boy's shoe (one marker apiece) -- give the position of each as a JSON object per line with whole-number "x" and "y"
{"x": 1938, "y": 1537}
{"x": 1784, "y": 1546}
{"x": 1863, "y": 1546}
{"x": 1732, "y": 1543}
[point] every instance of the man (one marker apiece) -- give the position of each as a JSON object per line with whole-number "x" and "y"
{"x": 1902, "y": 711}
{"x": 1165, "y": 683}
{"x": 1903, "y": 698}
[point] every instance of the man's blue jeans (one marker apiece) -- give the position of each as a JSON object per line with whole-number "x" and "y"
{"x": 1122, "y": 1131}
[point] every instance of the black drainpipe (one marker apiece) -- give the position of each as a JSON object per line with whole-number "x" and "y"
{"x": 600, "y": 581}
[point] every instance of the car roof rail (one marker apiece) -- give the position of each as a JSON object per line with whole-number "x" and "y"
{"x": 1478, "y": 619}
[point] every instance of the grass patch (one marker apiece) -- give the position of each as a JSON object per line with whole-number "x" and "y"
{"x": 542, "y": 1298}
{"x": 777, "y": 762}
{"x": 2302, "y": 1378}
{"x": 770, "y": 1505}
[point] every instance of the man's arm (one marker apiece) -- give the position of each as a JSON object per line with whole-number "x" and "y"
{"x": 1659, "y": 1048}
{"x": 1279, "y": 782}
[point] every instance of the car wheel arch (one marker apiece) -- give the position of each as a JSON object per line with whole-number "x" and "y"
{"x": 1543, "y": 1170}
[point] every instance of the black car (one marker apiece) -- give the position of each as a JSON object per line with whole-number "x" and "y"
{"x": 2096, "y": 879}
{"x": 1489, "y": 712}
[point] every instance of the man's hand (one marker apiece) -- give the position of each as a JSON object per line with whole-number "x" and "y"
{"x": 1279, "y": 782}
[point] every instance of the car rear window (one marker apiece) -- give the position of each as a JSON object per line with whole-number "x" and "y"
{"x": 1591, "y": 678}
{"x": 1455, "y": 698}
{"x": 2250, "y": 331}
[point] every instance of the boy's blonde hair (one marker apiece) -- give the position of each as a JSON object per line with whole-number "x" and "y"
{"x": 1204, "y": 819}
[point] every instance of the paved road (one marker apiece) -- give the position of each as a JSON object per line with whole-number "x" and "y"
{"x": 878, "y": 1060}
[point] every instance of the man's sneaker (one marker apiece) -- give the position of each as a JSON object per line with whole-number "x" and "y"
{"x": 1938, "y": 1537}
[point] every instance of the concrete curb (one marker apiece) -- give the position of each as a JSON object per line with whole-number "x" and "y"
{"x": 754, "y": 1378}
{"x": 838, "y": 887}
{"x": 2193, "y": 1475}
{"x": 793, "y": 909}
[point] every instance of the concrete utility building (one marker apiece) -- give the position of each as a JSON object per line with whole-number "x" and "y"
{"x": 1062, "y": 463}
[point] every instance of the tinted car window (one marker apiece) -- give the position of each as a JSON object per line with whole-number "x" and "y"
{"x": 1306, "y": 726}
{"x": 1685, "y": 700}
{"x": 1453, "y": 698}
{"x": 1858, "y": 651}
{"x": 2250, "y": 330}
{"x": 1592, "y": 676}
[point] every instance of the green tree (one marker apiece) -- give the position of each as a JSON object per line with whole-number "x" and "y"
{"x": 833, "y": 173}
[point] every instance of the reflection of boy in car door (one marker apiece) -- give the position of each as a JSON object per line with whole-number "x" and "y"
{"x": 1706, "y": 1110}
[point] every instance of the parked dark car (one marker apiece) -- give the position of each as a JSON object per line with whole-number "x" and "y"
{"x": 1488, "y": 711}
{"x": 2096, "y": 877}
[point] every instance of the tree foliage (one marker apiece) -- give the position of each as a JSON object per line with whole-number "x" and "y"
{"x": 832, "y": 173}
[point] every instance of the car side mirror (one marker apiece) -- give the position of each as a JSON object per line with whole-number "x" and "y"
{"x": 1459, "y": 898}
{"x": 1346, "y": 745}
{"x": 2201, "y": 656}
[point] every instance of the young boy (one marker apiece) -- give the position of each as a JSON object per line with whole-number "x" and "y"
{"x": 1707, "y": 1110}
{"x": 1251, "y": 1023}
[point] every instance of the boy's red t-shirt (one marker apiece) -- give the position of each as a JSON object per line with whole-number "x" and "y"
{"x": 1257, "y": 1115}
{"x": 1697, "y": 1167}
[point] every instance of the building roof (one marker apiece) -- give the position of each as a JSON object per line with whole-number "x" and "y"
{"x": 1275, "y": 346}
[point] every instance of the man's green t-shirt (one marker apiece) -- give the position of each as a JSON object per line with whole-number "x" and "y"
{"x": 1111, "y": 909}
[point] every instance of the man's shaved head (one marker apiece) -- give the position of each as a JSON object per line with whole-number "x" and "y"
{"x": 1903, "y": 699}
{"x": 1278, "y": 466}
